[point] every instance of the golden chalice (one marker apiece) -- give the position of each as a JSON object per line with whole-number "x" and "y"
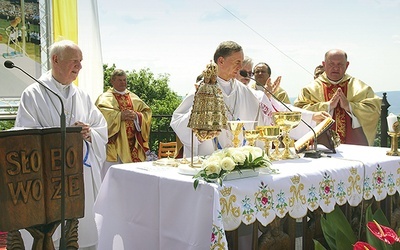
{"x": 287, "y": 121}
{"x": 276, "y": 154}
{"x": 236, "y": 127}
{"x": 268, "y": 134}
{"x": 251, "y": 136}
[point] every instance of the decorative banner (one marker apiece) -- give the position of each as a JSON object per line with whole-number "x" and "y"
{"x": 19, "y": 43}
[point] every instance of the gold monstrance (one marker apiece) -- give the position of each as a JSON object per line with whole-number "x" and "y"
{"x": 208, "y": 114}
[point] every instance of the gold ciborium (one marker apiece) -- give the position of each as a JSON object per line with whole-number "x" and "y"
{"x": 287, "y": 121}
{"x": 251, "y": 136}
{"x": 268, "y": 134}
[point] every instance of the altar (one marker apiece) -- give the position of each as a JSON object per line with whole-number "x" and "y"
{"x": 142, "y": 206}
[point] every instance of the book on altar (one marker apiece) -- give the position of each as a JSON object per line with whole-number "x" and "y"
{"x": 323, "y": 134}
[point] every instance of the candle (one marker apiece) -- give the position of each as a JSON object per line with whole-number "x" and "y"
{"x": 391, "y": 119}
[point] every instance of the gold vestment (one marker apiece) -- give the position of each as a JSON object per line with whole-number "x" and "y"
{"x": 365, "y": 104}
{"x": 124, "y": 140}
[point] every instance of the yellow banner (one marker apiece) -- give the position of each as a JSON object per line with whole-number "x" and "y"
{"x": 65, "y": 20}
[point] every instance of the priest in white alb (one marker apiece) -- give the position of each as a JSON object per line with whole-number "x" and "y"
{"x": 40, "y": 108}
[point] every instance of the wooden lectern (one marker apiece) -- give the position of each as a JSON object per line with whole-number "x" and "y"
{"x": 30, "y": 179}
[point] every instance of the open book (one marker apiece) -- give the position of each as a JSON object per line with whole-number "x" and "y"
{"x": 324, "y": 137}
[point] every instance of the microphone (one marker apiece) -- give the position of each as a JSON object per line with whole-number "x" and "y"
{"x": 9, "y": 64}
{"x": 309, "y": 153}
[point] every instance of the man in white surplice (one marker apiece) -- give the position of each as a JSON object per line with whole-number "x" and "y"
{"x": 242, "y": 103}
{"x": 40, "y": 108}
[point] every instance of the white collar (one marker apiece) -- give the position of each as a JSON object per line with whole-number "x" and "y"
{"x": 334, "y": 82}
{"x": 225, "y": 85}
{"x": 119, "y": 92}
{"x": 64, "y": 89}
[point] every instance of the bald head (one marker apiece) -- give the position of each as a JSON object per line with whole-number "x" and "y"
{"x": 335, "y": 64}
{"x": 335, "y": 52}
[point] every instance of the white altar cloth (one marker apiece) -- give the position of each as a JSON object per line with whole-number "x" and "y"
{"x": 141, "y": 206}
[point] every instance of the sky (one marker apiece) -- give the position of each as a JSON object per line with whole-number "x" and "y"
{"x": 179, "y": 37}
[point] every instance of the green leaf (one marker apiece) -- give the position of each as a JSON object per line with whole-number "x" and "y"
{"x": 329, "y": 233}
{"x": 318, "y": 246}
{"x": 380, "y": 217}
{"x": 195, "y": 184}
{"x": 335, "y": 228}
{"x": 343, "y": 243}
{"x": 250, "y": 158}
{"x": 339, "y": 220}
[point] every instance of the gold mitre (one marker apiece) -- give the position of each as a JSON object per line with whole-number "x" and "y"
{"x": 208, "y": 114}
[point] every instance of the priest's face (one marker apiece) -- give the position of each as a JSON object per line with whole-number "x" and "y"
{"x": 335, "y": 66}
{"x": 261, "y": 73}
{"x": 67, "y": 64}
{"x": 119, "y": 83}
{"x": 229, "y": 66}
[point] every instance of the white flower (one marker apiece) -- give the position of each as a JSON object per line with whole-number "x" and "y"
{"x": 228, "y": 164}
{"x": 254, "y": 151}
{"x": 212, "y": 168}
{"x": 215, "y": 157}
{"x": 239, "y": 157}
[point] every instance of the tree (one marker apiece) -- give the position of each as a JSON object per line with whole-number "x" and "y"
{"x": 156, "y": 93}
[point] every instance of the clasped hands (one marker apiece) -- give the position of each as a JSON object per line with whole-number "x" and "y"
{"x": 128, "y": 115}
{"x": 85, "y": 132}
{"x": 339, "y": 98}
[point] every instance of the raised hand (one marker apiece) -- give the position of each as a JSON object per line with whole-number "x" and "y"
{"x": 276, "y": 84}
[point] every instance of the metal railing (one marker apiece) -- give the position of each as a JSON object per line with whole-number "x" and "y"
{"x": 161, "y": 131}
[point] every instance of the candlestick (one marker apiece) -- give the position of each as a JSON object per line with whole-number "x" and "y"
{"x": 394, "y": 139}
{"x": 391, "y": 120}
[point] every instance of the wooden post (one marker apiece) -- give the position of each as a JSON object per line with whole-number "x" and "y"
{"x": 384, "y": 126}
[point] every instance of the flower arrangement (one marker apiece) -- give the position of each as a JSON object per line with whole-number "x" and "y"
{"x": 339, "y": 234}
{"x": 224, "y": 161}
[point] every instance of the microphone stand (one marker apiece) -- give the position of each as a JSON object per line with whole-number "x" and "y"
{"x": 10, "y": 65}
{"x": 309, "y": 153}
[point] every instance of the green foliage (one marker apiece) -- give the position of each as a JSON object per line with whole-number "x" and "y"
{"x": 156, "y": 93}
{"x": 337, "y": 230}
{"x": 318, "y": 246}
{"x": 4, "y": 125}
